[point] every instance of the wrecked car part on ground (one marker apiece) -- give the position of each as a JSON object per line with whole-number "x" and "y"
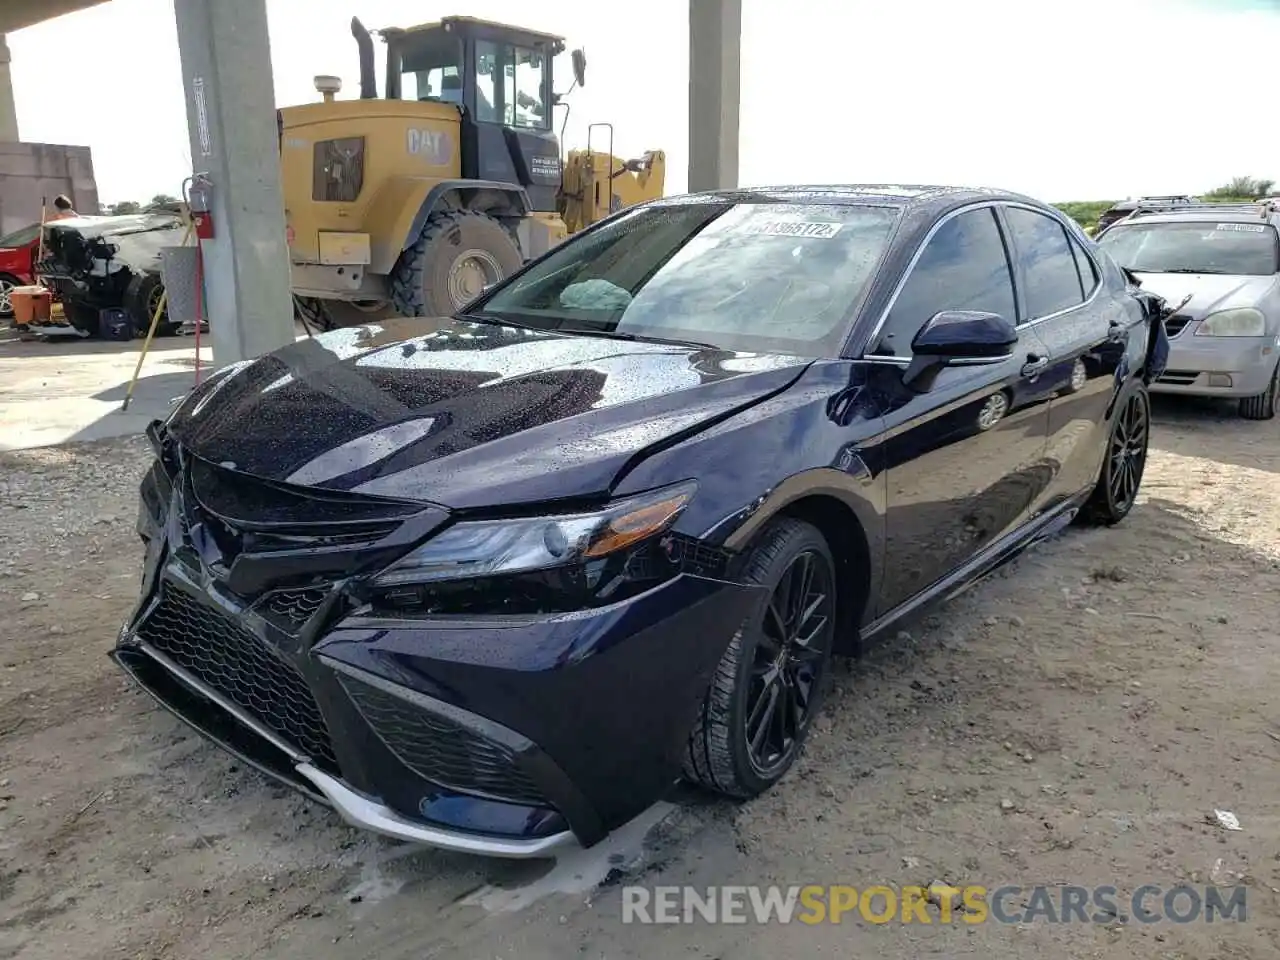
{"x": 493, "y": 582}
{"x": 98, "y": 263}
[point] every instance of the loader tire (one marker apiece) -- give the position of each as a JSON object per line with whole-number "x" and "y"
{"x": 455, "y": 257}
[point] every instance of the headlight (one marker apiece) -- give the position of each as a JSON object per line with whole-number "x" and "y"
{"x": 490, "y": 548}
{"x": 1245, "y": 322}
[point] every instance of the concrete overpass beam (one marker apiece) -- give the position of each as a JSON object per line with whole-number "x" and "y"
{"x": 8, "y": 106}
{"x": 226, "y": 70}
{"x": 715, "y": 80}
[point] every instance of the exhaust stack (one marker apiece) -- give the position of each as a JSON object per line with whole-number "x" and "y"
{"x": 368, "y": 82}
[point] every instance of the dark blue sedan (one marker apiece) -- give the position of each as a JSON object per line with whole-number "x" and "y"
{"x": 494, "y": 582}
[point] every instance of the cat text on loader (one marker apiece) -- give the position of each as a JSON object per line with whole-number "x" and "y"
{"x": 413, "y": 202}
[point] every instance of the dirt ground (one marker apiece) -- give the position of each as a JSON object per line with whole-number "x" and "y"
{"x": 1072, "y": 720}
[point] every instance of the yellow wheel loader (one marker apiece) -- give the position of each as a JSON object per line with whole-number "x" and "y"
{"x": 414, "y": 201}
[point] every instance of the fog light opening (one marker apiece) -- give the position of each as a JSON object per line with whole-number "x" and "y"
{"x": 1219, "y": 379}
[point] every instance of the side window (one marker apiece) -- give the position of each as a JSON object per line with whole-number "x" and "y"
{"x": 489, "y": 86}
{"x": 527, "y": 75}
{"x": 964, "y": 267}
{"x": 1088, "y": 272}
{"x": 1048, "y": 266}
{"x": 511, "y": 85}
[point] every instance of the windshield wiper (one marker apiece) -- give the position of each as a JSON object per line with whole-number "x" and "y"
{"x": 636, "y": 337}
{"x": 496, "y": 321}
{"x": 1192, "y": 270}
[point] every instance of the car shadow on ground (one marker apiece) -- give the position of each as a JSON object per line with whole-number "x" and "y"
{"x": 14, "y": 344}
{"x": 1214, "y": 429}
{"x": 157, "y": 388}
{"x": 912, "y": 755}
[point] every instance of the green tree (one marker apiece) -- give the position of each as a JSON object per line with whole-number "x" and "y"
{"x": 1246, "y": 188}
{"x": 122, "y": 208}
{"x": 163, "y": 200}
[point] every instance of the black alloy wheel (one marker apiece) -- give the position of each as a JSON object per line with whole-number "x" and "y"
{"x": 1126, "y": 460}
{"x": 769, "y": 684}
{"x": 788, "y": 660}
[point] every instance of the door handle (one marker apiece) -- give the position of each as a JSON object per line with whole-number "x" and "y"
{"x": 1034, "y": 365}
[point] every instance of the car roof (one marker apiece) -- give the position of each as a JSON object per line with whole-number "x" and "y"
{"x": 917, "y": 198}
{"x": 1228, "y": 213}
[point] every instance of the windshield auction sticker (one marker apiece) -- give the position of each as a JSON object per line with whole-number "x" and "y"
{"x": 817, "y": 229}
{"x": 1241, "y": 227}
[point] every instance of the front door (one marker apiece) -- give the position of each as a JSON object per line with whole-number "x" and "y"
{"x": 964, "y": 460}
{"x": 1065, "y": 296}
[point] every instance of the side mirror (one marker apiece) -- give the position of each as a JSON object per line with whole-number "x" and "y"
{"x": 579, "y": 67}
{"x": 958, "y": 337}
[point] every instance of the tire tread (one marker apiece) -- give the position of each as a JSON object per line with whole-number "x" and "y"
{"x": 407, "y": 276}
{"x": 1263, "y": 405}
{"x": 708, "y": 754}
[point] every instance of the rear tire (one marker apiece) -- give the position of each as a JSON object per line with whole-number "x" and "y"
{"x": 1123, "y": 463}
{"x": 1266, "y": 404}
{"x": 758, "y": 676}
{"x": 458, "y": 254}
{"x": 7, "y": 282}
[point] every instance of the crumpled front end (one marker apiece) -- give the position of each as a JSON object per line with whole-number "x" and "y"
{"x": 490, "y": 732}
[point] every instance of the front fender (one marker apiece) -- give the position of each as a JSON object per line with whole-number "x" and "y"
{"x": 797, "y": 445}
{"x": 403, "y": 204}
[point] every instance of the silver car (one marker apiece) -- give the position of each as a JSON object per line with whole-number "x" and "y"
{"x": 1225, "y": 340}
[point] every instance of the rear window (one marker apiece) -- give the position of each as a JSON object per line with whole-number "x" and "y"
{"x": 1234, "y": 248}
{"x": 20, "y": 238}
{"x": 768, "y": 277}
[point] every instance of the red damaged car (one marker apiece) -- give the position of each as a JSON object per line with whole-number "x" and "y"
{"x": 17, "y": 264}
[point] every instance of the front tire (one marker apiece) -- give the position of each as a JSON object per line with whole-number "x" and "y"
{"x": 1125, "y": 461}
{"x": 768, "y": 686}
{"x": 141, "y": 298}
{"x": 1265, "y": 405}
{"x": 458, "y": 254}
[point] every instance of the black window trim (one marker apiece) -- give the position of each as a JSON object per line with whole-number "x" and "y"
{"x": 1005, "y": 241}
{"x": 1061, "y": 220}
{"x": 1079, "y": 248}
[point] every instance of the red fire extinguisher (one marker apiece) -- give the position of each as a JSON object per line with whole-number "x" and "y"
{"x": 201, "y": 203}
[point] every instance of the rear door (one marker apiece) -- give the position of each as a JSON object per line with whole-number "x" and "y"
{"x": 1066, "y": 302}
{"x": 963, "y": 459}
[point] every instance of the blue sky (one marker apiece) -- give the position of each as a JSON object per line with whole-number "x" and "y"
{"x": 1056, "y": 100}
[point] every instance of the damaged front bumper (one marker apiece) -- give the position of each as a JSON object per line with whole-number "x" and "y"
{"x": 505, "y": 736}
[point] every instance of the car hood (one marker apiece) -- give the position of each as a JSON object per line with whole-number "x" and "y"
{"x": 1209, "y": 292}
{"x": 465, "y": 414}
{"x": 115, "y": 225}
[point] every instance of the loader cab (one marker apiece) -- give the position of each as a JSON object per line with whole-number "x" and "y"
{"x": 501, "y": 79}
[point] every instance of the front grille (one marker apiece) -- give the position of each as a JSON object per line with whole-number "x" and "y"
{"x": 442, "y": 751}
{"x": 338, "y": 169}
{"x": 1174, "y": 325}
{"x": 1179, "y": 378}
{"x": 293, "y": 608}
{"x": 209, "y": 644}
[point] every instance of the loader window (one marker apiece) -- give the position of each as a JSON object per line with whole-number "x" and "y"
{"x": 431, "y": 68}
{"x": 511, "y": 85}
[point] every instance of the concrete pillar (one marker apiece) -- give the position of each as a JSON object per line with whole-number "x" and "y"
{"x": 226, "y": 71}
{"x": 8, "y": 107}
{"x": 715, "y": 80}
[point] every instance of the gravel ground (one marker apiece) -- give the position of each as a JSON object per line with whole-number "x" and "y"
{"x": 1072, "y": 720}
